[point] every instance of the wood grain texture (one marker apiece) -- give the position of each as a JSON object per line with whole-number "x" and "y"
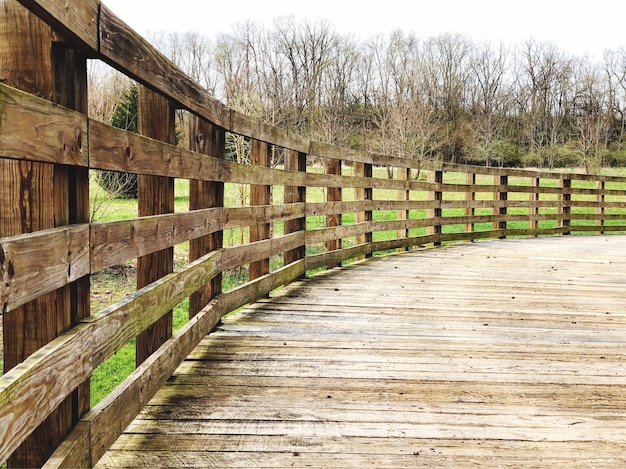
{"x": 235, "y": 217}
{"x": 118, "y": 150}
{"x": 77, "y": 21}
{"x": 34, "y": 129}
{"x": 256, "y": 129}
{"x": 253, "y": 252}
{"x": 116, "y": 242}
{"x": 460, "y": 361}
{"x": 37, "y": 263}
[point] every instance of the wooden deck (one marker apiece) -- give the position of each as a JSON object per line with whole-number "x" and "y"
{"x": 505, "y": 353}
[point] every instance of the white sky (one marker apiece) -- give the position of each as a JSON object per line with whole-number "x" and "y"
{"x": 579, "y": 27}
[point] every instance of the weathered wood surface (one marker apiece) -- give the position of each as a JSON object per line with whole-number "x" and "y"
{"x": 439, "y": 358}
{"x": 62, "y": 256}
{"x": 155, "y": 119}
{"x": 295, "y": 196}
{"x": 34, "y": 129}
{"x": 205, "y": 138}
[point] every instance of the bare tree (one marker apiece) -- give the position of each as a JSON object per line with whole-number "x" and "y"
{"x": 593, "y": 110}
{"x": 546, "y": 86}
{"x": 106, "y": 87}
{"x": 615, "y": 68}
{"x": 334, "y": 120}
{"x": 490, "y": 100}
{"x": 447, "y": 58}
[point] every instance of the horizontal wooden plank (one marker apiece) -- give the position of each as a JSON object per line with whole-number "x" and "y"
{"x": 397, "y": 162}
{"x": 405, "y": 243}
{"x": 333, "y": 208}
{"x": 336, "y": 180}
{"x": 337, "y": 257}
{"x": 76, "y": 21}
{"x": 246, "y": 216}
{"x": 240, "y": 255}
{"x": 34, "y": 129}
{"x": 595, "y": 228}
{"x": 529, "y": 173}
{"x": 338, "y": 232}
{"x": 261, "y": 286}
{"x": 416, "y": 453}
{"x": 206, "y": 444}
{"x": 249, "y": 174}
{"x": 118, "y": 150}
{"x": 37, "y": 263}
{"x": 116, "y": 242}
{"x": 594, "y": 216}
{"x": 398, "y": 185}
{"x": 46, "y": 378}
{"x": 338, "y": 153}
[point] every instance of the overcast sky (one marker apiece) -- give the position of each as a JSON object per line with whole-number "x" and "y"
{"x": 579, "y": 27}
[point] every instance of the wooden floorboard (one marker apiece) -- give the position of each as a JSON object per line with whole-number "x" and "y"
{"x": 507, "y": 353}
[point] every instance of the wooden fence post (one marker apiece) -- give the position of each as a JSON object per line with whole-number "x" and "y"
{"x": 470, "y": 197}
{"x": 295, "y": 161}
{"x": 208, "y": 139}
{"x": 260, "y": 194}
{"x": 436, "y": 177}
{"x": 501, "y": 196}
{"x": 564, "y": 205}
{"x": 333, "y": 194}
{"x": 533, "y": 210}
{"x": 364, "y": 195}
{"x": 404, "y": 174}
{"x": 156, "y": 197}
{"x": 49, "y": 196}
{"x": 600, "y": 187}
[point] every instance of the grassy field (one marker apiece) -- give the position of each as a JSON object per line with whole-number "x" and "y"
{"x": 113, "y": 284}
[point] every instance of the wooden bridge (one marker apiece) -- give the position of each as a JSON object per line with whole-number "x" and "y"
{"x": 501, "y": 352}
{"x": 459, "y": 361}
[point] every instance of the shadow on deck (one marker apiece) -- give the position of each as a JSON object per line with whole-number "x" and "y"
{"x": 495, "y": 353}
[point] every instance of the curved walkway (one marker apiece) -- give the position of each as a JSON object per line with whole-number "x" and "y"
{"x": 491, "y": 354}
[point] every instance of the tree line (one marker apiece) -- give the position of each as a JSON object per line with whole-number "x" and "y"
{"x": 444, "y": 97}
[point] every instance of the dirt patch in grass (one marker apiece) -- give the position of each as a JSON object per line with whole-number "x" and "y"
{"x": 112, "y": 284}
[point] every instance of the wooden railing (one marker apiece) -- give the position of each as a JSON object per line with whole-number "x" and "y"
{"x": 49, "y": 249}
